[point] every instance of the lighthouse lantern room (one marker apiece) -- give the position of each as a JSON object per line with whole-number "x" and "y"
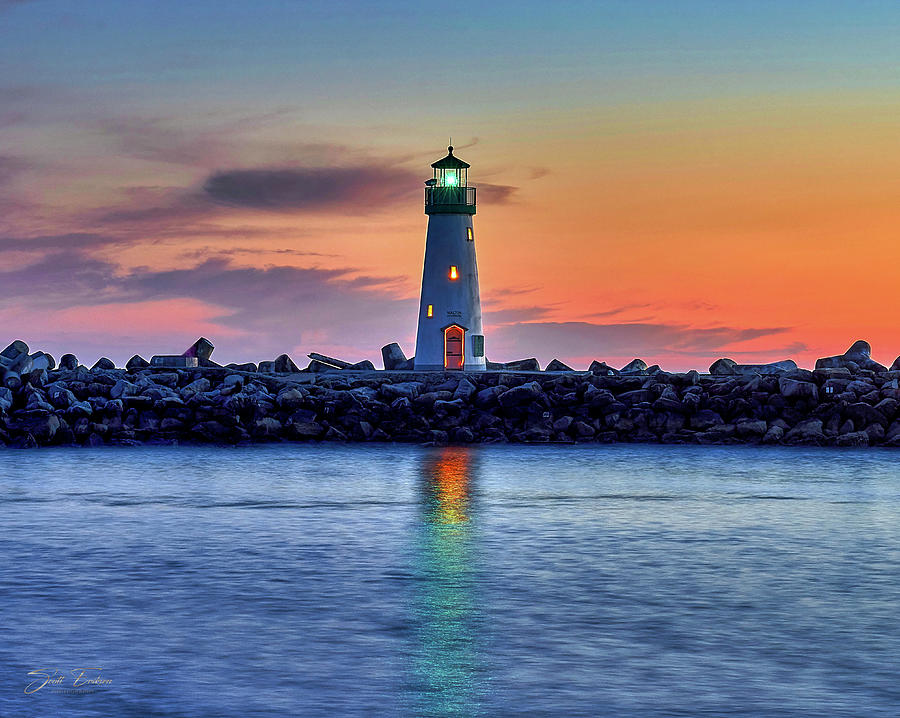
{"x": 449, "y": 335}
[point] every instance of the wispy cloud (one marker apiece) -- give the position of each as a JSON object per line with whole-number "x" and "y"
{"x": 647, "y": 340}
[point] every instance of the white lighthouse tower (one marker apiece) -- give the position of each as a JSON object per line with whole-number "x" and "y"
{"x": 449, "y": 334}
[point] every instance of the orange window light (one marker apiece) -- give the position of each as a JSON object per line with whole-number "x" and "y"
{"x": 454, "y": 274}
{"x": 430, "y": 311}
{"x": 470, "y": 235}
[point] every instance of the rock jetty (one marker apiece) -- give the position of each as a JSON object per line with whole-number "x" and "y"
{"x": 850, "y": 402}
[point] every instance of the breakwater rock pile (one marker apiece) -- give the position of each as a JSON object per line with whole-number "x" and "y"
{"x": 836, "y": 405}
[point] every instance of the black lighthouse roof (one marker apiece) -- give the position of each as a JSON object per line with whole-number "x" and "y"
{"x": 450, "y": 162}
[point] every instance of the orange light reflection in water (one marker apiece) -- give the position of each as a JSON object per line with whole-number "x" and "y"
{"x": 448, "y": 485}
{"x": 447, "y": 676}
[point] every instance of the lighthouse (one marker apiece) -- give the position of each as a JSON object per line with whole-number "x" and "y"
{"x": 449, "y": 334}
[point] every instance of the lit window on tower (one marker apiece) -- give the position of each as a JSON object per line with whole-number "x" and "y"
{"x": 454, "y": 274}
{"x": 470, "y": 235}
{"x": 430, "y": 311}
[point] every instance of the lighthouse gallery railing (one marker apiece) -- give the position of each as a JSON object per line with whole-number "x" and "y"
{"x": 442, "y": 196}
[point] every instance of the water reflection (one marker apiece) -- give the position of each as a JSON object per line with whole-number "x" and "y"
{"x": 445, "y": 613}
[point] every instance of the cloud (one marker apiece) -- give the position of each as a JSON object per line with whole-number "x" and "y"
{"x": 356, "y": 190}
{"x": 511, "y": 315}
{"x": 650, "y": 341}
{"x": 252, "y": 312}
{"x": 495, "y": 193}
{"x": 72, "y": 241}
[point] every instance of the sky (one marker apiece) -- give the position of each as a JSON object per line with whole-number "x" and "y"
{"x": 673, "y": 180}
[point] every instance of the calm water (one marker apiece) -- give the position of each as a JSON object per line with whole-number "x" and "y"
{"x": 397, "y": 580}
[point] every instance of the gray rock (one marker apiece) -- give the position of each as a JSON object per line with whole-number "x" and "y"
{"x": 806, "y": 431}
{"x": 794, "y": 389}
{"x": 602, "y": 368}
{"x": 42, "y": 360}
{"x": 202, "y": 349}
{"x": 68, "y": 361}
{"x": 855, "y": 438}
{"x": 174, "y": 361}
{"x": 751, "y": 428}
{"x": 364, "y": 365}
{"x": 198, "y": 386}
{"x": 775, "y": 367}
{"x": 268, "y": 367}
{"x": 305, "y": 430}
{"x": 864, "y": 415}
{"x": 858, "y": 356}
{"x": 290, "y": 399}
{"x": 465, "y": 390}
{"x": 283, "y": 364}
{"x": 488, "y": 397}
{"x": 121, "y": 389}
{"x": 78, "y": 409}
{"x": 392, "y": 356}
{"x": 232, "y": 384}
{"x": 247, "y": 366}
{"x": 557, "y": 365}
{"x": 407, "y": 389}
{"x": 635, "y": 366}
{"x": 774, "y": 435}
{"x": 523, "y": 365}
{"x": 723, "y": 367}
{"x": 581, "y": 429}
{"x": 103, "y": 364}
{"x": 519, "y": 395}
{"x": 12, "y": 380}
{"x": 137, "y": 362}
{"x": 705, "y": 419}
{"x": 11, "y": 354}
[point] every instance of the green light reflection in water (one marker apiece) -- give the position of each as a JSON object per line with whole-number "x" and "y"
{"x": 448, "y": 671}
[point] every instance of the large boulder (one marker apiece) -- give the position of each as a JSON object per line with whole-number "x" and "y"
{"x": 364, "y": 365}
{"x": 285, "y": 365}
{"x": 136, "y": 362}
{"x": 808, "y": 431}
{"x": 247, "y": 366}
{"x": 523, "y": 365}
{"x": 68, "y": 361}
{"x": 723, "y": 367}
{"x": 602, "y": 368}
{"x": 635, "y": 366}
{"x": 202, "y": 349}
{"x": 775, "y": 367}
{"x": 42, "y": 360}
{"x": 557, "y": 365}
{"x": 407, "y": 389}
{"x": 858, "y": 356}
{"x": 795, "y": 389}
{"x": 896, "y": 365}
{"x": 519, "y": 395}
{"x": 392, "y": 356}
{"x": 103, "y": 363}
{"x": 13, "y": 352}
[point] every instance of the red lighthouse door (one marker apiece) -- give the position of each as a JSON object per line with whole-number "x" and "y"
{"x": 453, "y": 347}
